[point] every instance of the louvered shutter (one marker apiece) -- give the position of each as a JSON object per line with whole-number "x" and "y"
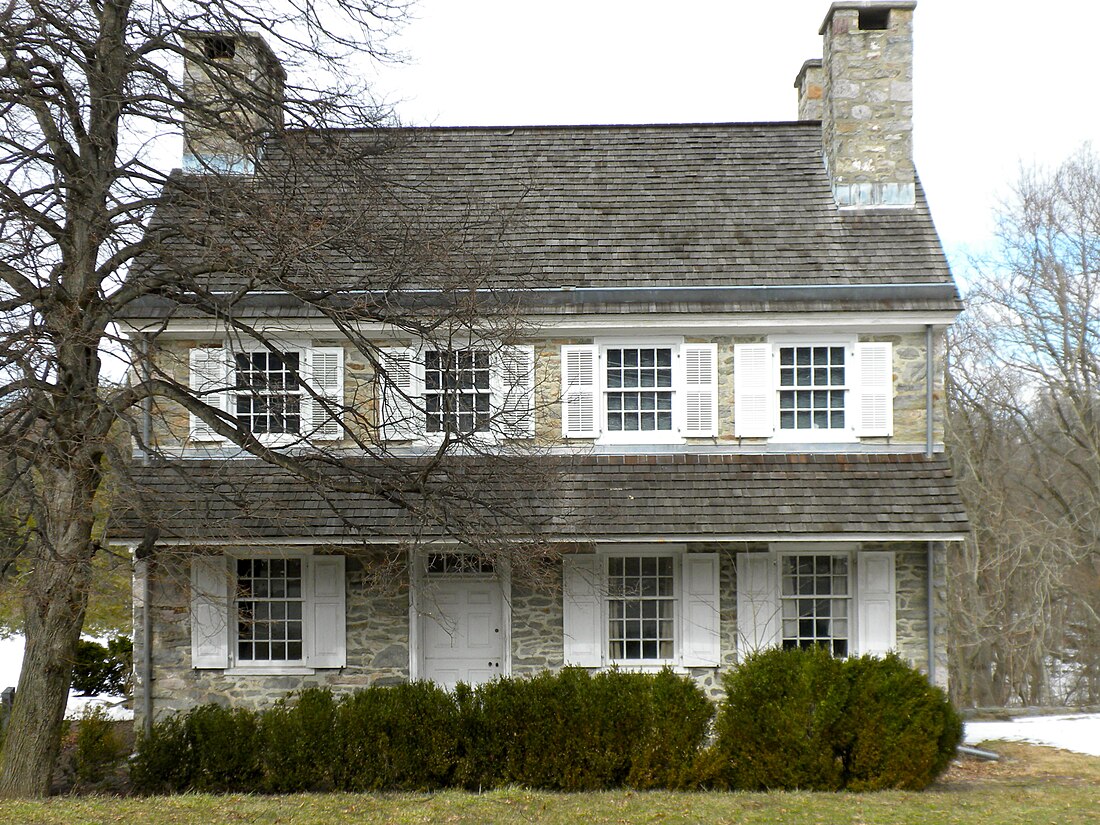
{"x": 327, "y": 630}
{"x": 702, "y": 645}
{"x": 700, "y": 389}
{"x": 325, "y": 374}
{"x": 582, "y": 610}
{"x": 874, "y": 390}
{"x": 752, "y": 390}
{"x": 513, "y": 384}
{"x": 210, "y": 372}
{"x": 876, "y": 609}
{"x": 757, "y": 602}
{"x": 400, "y": 386}
{"x": 209, "y": 612}
{"x": 579, "y": 391}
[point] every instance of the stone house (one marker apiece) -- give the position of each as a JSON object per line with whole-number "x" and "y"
{"x": 731, "y": 357}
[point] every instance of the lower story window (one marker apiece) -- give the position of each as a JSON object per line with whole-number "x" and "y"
{"x": 815, "y": 596}
{"x": 641, "y": 608}
{"x": 269, "y": 610}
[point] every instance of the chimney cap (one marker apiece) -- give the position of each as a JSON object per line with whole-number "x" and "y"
{"x": 812, "y": 63}
{"x": 255, "y": 41}
{"x": 864, "y": 5}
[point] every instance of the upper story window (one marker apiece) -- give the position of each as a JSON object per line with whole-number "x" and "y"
{"x": 638, "y": 392}
{"x": 483, "y": 391}
{"x": 813, "y": 390}
{"x": 286, "y": 395}
{"x": 456, "y": 391}
{"x": 268, "y": 397}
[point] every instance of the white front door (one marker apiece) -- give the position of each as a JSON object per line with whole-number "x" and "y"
{"x": 462, "y": 633}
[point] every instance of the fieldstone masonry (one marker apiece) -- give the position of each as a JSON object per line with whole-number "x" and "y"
{"x": 378, "y": 631}
{"x": 867, "y": 117}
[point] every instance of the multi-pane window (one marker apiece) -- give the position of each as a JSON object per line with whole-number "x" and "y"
{"x": 459, "y": 563}
{"x": 815, "y": 597}
{"x": 811, "y": 387}
{"x": 456, "y": 391}
{"x": 639, "y": 389}
{"x": 269, "y": 610}
{"x": 268, "y": 393}
{"x": 641, "y": 607}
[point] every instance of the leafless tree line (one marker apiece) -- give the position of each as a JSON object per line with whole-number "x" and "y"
{"x": 1024, "y": 432}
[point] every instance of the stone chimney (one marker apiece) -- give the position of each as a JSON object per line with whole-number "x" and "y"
{"x": 811, "y": 88}
{"x": 867, "y": 111}
{"x": 233, "y": 84}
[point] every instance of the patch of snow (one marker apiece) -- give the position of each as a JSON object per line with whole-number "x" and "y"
{"x": 1078, "y": 732}
{"x": 11, "y": 662}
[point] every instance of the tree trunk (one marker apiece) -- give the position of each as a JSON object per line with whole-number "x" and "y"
{"x": 57, "y": 595}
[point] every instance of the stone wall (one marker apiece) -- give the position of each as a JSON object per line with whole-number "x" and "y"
{"x": 171, "y": 421}
{"x": 378, "y": 629}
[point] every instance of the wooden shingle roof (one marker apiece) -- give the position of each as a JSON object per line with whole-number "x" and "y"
{"x": 679, "y": 496}
{"x": 655, "y": 206}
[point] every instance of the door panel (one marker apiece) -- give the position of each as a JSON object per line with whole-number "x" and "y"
{"x": 461, "y": 631}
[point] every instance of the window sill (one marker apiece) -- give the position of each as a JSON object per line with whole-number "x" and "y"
{"x": 275, "y": 670}
{"x": 647, "y": 667}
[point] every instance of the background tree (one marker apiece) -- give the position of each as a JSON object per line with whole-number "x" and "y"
{"x": 90, "y": 92}
{"x": 1024, "y": 414}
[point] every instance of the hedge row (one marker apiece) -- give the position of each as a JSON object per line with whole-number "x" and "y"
{"x": 564, "y": 731}
{"x": 790, "y": 719}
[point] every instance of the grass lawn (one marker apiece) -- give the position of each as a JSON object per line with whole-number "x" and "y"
{"x": 1032, "y": 785}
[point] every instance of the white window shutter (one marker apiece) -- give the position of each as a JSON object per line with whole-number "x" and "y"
{"x": 579, "y": 391}
{"x": 513, "y": 384}
{"x": 757, "y": 602}
{"x": 752, "y": 390}
{"x": 209, "y": 380}
{"x": 209, "y": 612}
{"x": 325, "y": 373}
{"x": 700, "y": 389}
{"x": 582, "y": 609}
{"x": 327, "y": 631}
{"x": 702, "y": 645}
{"x": 874, "y": 389}
{"x": 400, "y": 387}
{"x": 876, "y": 610}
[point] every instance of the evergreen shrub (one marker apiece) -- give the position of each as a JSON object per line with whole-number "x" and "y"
{"x": 904, "y": 731}
{"x": 398, "y": 737}
{"x": 300, "y": 744}
{"x": 574, "y": 731}
{"x": 800, "y": 719}
{"x": 782, "y": 724}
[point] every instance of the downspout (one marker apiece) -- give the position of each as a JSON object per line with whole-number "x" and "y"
{"x": 147, "y": 563}
{"x": 929, "y": 451}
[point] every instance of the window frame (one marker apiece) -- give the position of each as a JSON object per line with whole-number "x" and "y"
{"x": 458, "y": 392}
{"x": 676, "y": 553}
{"x": 235, "y": 666}
{"x": 670, "y": 436}
{"x": 851, "y": 597}
{"x": 401, "y": 393}
{"x": 845, "y": 434}
{"x": 235, "y": 392}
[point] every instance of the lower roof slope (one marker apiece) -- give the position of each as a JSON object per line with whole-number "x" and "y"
{"x": 592, "y": 498}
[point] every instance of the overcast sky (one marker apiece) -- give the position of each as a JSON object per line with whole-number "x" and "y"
{"x": 997, "y": 82}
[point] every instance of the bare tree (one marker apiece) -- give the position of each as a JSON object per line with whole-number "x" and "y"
{"x": 89, "y": 93}
{"x": 1024, "y": 406}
